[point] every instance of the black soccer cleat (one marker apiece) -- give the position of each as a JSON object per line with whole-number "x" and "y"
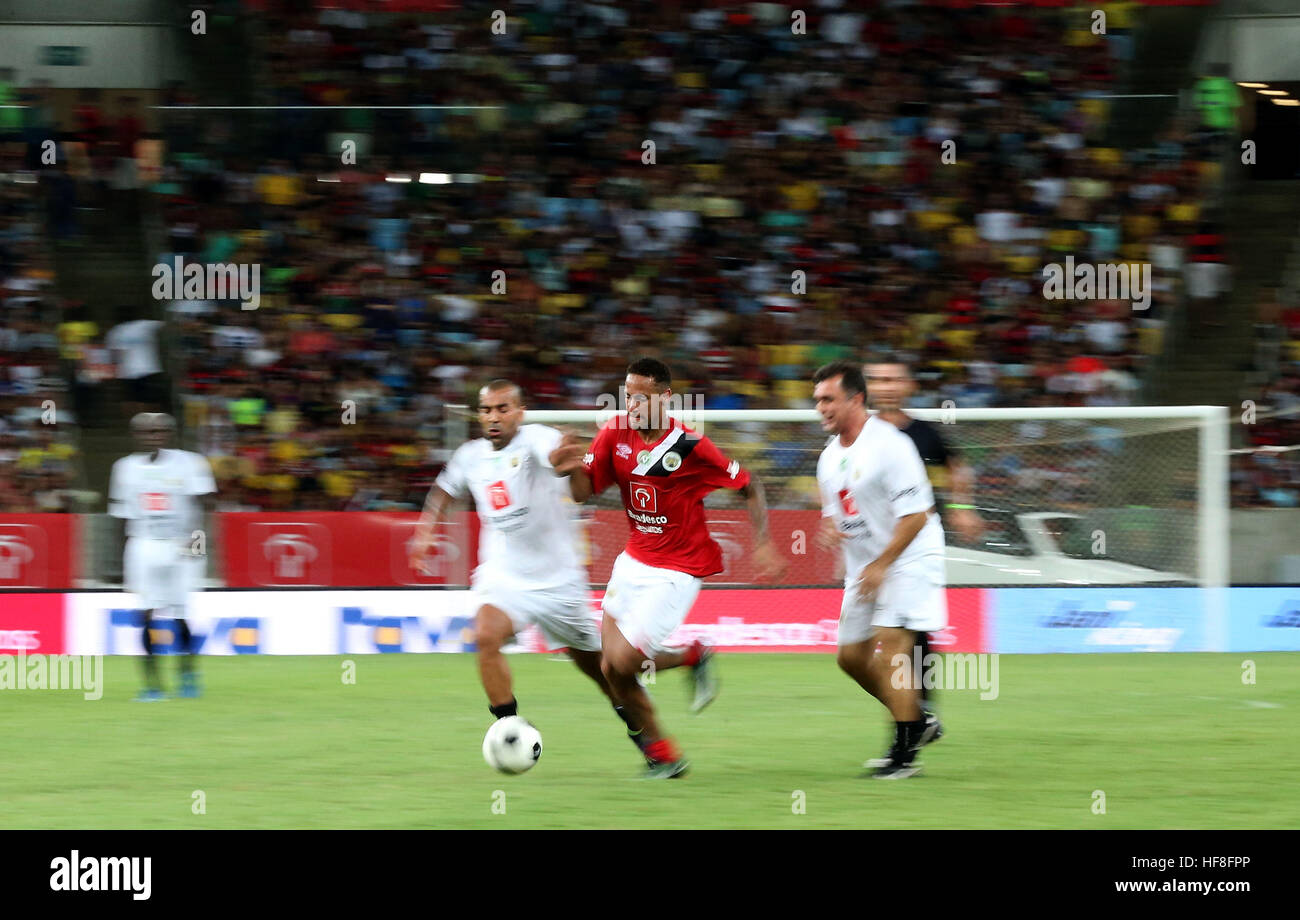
{"x": 902, "y": 760}
{"x": 931, "y": 733}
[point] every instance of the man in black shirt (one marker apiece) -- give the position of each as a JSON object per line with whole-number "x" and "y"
{"x": 889, "y": 386}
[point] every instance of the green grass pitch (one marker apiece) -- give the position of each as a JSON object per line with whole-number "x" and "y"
{"x": 1172, "y": 740}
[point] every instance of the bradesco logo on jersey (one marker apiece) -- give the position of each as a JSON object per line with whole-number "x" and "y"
{"x": 848, "y": 504}
{"x": 498, "y": 495}
{"x": 645, "y": 497}
{"x": 643, "y": 500}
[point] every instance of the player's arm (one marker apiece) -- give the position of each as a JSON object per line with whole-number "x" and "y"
{"x": 590, "y": 471}
{"x": 829, "y": 535}
{"x": 717, "y": 472}
{"x": 450, "y": 485}
{"x": 961, "y": 490}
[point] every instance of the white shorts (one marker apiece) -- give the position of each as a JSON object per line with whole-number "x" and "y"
{"x": 913, "y": 597}
{"x": 648, "y": 603}
{"x": 161, "y": 573}
{"x": 563, "y": 613}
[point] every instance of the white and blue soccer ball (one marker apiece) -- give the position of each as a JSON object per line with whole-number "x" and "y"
{"x": 512, "y": 745}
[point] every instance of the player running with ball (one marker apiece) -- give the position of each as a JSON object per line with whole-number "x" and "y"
{"x": 878, "y": 508}
{"x": 529, "y": 571}
{"x": 663, "y": 471}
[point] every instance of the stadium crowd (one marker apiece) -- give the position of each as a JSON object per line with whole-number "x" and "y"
{"x": 38, "y": 444}
{"x": 797, "y": 206}
{"x": 887, "y": 182}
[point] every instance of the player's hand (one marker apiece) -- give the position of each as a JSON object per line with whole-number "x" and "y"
{"x": 967, "y": 523}
{"x": 829, "y": 536}
{"x": 768, "y": 561}
{"x": 870, "y": 580}
{"x": 419, "y": 556}
{"x": 567, "y": 457}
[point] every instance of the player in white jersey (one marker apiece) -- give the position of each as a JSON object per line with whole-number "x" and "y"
{"x": 529, "y": 571}
{"x": 878, "y": 509}
{"x": 162, "y": 494}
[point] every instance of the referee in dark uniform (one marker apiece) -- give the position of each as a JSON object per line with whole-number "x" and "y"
{"x": 889, "y": 386}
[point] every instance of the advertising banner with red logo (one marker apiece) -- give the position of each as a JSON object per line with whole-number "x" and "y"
{"x": 38, "y": 550}
{"x": 358, "y": 549}
{"x": 371, "y": 549}
{"x": 32, "y": 624}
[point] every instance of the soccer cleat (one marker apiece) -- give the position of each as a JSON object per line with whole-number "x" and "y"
{"x": 150, "y": 696}
{"x": 189, "y": 687}
{"x": 704, "y": 677}
{"x": 932, "y": 732}
{"x": 896, "y": 769}
{"x": 901, "y": 763}
{"x": 665, "y": 769}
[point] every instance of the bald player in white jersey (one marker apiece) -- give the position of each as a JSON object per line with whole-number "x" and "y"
{"x": 529, "y": 572}
{"x": 878, "y": 509}
{"x": 162, "y": 494}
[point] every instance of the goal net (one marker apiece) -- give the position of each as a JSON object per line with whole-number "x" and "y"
{"x": 1068, "y": 497}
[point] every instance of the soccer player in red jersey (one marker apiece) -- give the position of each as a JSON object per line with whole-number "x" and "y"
{"x": 663, "y": 470}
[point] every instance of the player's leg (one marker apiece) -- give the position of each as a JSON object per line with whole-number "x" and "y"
{"x": 643, "y": 606}
{"x": 187, "y": 571}
{"x": 895, "y": 676}
{"x": 152, "y": 684}
{"x": 929, "y": 705}
{"x": 589, "y": 663}
{"x": 140, "y": 580}
{"x": 565, "y": 619}
{"x": 493, "y": 628}
{"x": 910, "y": 600}
{"x": 857, "y": 641}
{"x": 185, "y": 641}
{"x": 894, "y": 673}
{"x": 620, "y": 663}
{"x": 854, "y": 659}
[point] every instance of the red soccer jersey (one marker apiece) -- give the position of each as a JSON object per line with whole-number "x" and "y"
{"x": 663, "y": 486}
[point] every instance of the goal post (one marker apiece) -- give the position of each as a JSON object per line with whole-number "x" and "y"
{"x": 1131, "y": 496}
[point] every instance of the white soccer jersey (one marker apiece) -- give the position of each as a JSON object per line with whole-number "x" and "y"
{"x": 867, "y": 486}
{"x": 157, "y": 498}
{"x": 529, "y": 535}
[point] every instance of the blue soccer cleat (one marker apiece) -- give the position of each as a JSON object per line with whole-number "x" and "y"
{"x": 150, "y": 696}
{"x": 189, "y": 687}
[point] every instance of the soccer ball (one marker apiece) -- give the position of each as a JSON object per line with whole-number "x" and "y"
{"x": 512, "y": 745}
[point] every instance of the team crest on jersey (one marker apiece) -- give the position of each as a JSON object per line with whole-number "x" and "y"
{"x": 624, "y": 451}
{"x": 643, "y": 458}
{"x": 514, "y": 462}
{"x": 672, "y": 460}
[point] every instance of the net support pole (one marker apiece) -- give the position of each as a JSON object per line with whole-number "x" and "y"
{"x": 1215, "y": 526}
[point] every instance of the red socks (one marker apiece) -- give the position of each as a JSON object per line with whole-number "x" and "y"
{"x": 663, "y": 751}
